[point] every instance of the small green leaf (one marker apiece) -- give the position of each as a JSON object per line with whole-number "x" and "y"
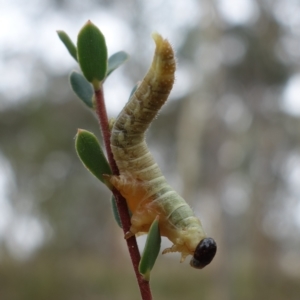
{"x": 91, "y": 154}
{"x": 68, "y": 43}
{"x": 133, "y": 90}
{"x": 115, "y": 61}
{"x": 82, "y": 88}
{"x": 92, "y": 54}
{"x": 115, "y": 211}
{"x": 151, "y": 250}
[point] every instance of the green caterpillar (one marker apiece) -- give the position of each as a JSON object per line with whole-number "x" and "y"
{"x": 140, "y": 181}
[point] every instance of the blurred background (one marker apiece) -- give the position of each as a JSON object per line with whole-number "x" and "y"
{"x": 228, "y": 140}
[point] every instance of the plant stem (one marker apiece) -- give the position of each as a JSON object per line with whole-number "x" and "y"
{"x": 121, "y": 202}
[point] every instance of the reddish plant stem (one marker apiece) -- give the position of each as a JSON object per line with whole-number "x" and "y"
{"x": 121, "y": 202}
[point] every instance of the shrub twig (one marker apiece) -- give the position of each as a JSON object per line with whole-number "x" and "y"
{"x": 121, "y": 202}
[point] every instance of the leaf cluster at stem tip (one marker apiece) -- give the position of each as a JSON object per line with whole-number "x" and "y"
{"x": 91, "y": 55}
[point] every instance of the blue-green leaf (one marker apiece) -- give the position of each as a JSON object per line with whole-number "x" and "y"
{"x": 115, "y": 61}
{"x": 115, "y": 211}
{"x": 68, "y": 43}
{"x": 91, "y": 154}
{"x": 92, "y": 54}
{"x": 82, "y": 88}
{"x": 151, "y": 250}
{"x": 133, "y": 90}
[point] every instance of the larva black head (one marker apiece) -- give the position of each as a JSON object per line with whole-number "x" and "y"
{"x": 204, "y": 253}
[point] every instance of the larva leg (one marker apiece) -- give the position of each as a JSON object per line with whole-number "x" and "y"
{"x": 132, "y": 190}
{"x": 135, "y": 193}
{"x": 141, "y": 220}
{"x": 140, "y": 223}
{"x": 174, "y": 248}
{"x": 111, "y": 123}
{"x": 138, "y": 227}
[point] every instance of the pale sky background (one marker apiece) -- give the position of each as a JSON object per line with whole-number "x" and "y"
{"x": 29, "y": 27}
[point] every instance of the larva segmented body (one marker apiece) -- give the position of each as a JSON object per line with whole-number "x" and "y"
{"x": 140, "y": 181}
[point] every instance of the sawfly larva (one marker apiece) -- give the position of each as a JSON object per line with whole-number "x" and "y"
{"x": 140, "y": 181}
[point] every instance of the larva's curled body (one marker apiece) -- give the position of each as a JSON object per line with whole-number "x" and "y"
{"x": 140, "y": 181}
